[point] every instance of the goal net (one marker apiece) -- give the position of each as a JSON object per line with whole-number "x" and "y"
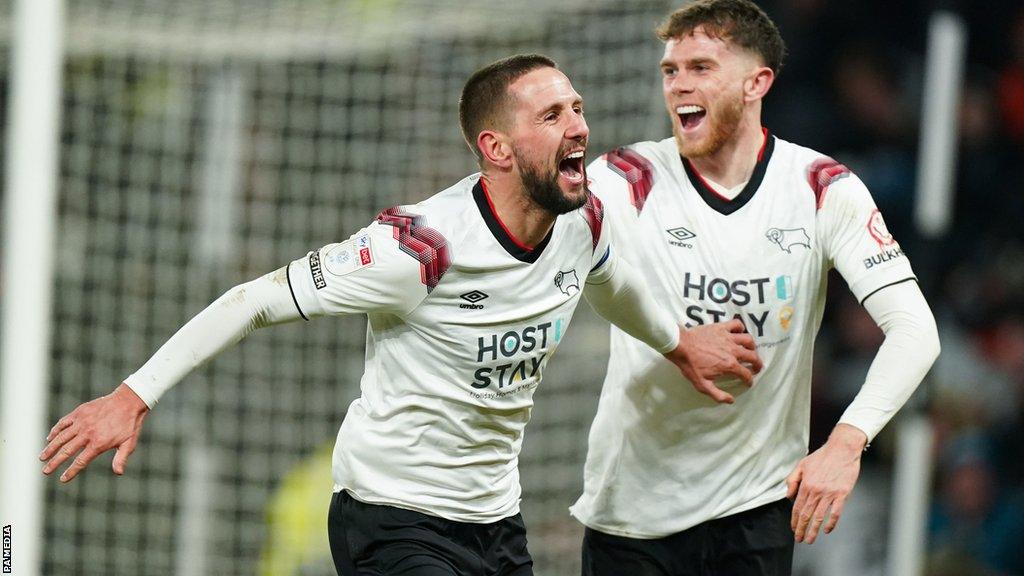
{"x": 204, "y": 143}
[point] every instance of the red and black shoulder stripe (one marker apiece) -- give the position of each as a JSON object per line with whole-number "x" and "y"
{"x": 420, "y": 241}
{"x": 821, "y": 174}
{"x": 593, "y": 213}
{"x": 636, "y": 170}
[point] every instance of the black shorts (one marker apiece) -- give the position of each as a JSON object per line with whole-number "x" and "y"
{"x": 757, "y": 542}
{"x": 373, "y": 540}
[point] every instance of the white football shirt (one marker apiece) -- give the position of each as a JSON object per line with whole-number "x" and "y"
{"x": 663, "y": 457}
{"x": 462, "y": 322}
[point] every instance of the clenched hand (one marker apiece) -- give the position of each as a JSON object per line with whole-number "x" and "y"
{"x": 111, "y": 421}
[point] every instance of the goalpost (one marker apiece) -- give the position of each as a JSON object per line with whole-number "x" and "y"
{"x": 943, "y": 81}
{"x": 28, "y": 247}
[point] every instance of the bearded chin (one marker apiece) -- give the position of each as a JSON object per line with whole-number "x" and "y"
{"x": 545, "y": 192}
{"x": 723, "y": 122}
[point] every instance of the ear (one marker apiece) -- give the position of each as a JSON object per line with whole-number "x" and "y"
{"x": 495, "y": 148}
{"x": 756, "y": 86}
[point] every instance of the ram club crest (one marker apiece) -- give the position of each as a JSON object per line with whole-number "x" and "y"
{"x": 788, "y": 238}
{"x": 568, "y": 282}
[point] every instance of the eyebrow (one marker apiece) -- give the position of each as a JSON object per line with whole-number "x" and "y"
{"x": 687, "y": 62}
{"x": 556, "y": 105}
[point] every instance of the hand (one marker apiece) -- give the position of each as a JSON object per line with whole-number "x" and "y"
{"x": 712, "y": 350}
{"x": 111, "y": 421}
{"x": 823, "y": 480}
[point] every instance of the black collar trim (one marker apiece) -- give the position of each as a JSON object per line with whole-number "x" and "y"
{"x": 501, "y": 234}
{"x": 724, "y": 205}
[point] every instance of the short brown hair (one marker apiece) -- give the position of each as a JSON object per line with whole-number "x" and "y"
{"x": 740, "y": 21}
{"x": 485, "y": 98}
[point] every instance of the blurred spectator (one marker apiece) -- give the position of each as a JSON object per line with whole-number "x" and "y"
{"x": 976, "y": 525}
{"x": 1011, "y": 82}
{"x": 878, "y": 128}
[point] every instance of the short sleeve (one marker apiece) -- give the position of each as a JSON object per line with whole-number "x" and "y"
{"x": 856, "y": 240}
{"x": 622, "y": 177}
{"x": 620, "y": 182}
{"x": 381, "y": 268}
{"x": 603, "y": 262}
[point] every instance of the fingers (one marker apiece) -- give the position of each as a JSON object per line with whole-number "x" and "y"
{"x": 743, "y": 372}
{"x": 837, "y": 511}
{"x": 66, "y": 450}
{"x": 804, "y": 513}
{"x": 717, "y": 394}
{"x": 798, "y": 506}
{"x": 56, "y": 441}
{"x": 750, "y": 357}
{"x": 734, "y": 326}
{"x": 79, "y": 464}
{"x": 793, "y": 483}
{"x": 123, "y": 452}
{"x": 60, "y": 425}
{"x": 744, "y": 339}
{"x": 817, "y": 517}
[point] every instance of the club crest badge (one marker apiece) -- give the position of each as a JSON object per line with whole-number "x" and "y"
{"x": 568, "y": 282}
{"x": 788, "y": 238}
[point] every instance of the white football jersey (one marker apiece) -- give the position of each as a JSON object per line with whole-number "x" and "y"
{"x": 462, "y": 322}
{"x": 662, "y": 456}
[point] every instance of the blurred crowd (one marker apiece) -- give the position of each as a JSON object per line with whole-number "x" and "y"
{"x": 867, "y": 115}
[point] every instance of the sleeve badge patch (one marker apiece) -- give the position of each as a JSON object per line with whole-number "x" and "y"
{"x": 878, "y": 230}
{"x": 349, "y": 256}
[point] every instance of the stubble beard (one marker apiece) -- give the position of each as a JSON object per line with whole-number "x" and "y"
{"x": 723, "y": 120}
{"x": 542, "y": 187}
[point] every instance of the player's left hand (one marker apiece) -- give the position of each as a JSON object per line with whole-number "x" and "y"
{"x": 110, "y": 422}
{"x": 823, "y": 480}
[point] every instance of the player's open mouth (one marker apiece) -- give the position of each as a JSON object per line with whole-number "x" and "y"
{"x": 690, "y": 116}
{"x": 571, "y": 167}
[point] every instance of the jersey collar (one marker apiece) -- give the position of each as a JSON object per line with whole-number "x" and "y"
{"x": 514, "y": 247}
{"x": 720, "y": 203}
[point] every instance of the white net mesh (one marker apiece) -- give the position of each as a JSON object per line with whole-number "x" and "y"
{"x": 207, "y": 142}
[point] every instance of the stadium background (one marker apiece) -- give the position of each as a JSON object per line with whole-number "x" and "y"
{"x": 204, "y": 143}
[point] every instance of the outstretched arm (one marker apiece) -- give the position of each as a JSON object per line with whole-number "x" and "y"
{"x": 824, "y": 479}
{"x": 701, "y": 354}
{"x": 115, "y": 420}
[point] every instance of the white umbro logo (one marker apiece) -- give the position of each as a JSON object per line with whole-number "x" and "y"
{"x": 680, "y": 236}
{"x": 473, "y": 296}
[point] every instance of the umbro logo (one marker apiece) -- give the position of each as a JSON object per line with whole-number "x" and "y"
{"x": 473, "y": 296}
{"x": 680, "y": 236}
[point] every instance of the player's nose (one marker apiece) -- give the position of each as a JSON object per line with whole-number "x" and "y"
{"x": 577, "y": 129}
{"x": 681, "y": 83}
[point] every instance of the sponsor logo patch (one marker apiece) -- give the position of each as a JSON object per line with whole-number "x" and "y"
{"x": 786, "y": 316}
{"x": 784, "y": 287}
{"x": 348, "y": 256}
{"x": 316, "y": 271}
{"x": 788, "y": 238}
{"x": 883, "y": 257}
